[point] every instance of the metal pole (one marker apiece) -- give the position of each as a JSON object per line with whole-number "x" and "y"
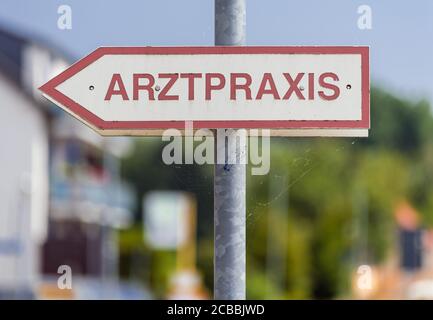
{"x": 229, "y": 179}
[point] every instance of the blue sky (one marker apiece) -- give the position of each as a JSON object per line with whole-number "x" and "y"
{"x": 401, "y": 39}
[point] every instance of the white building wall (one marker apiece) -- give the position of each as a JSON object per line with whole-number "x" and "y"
{"x": 23, "y": 187}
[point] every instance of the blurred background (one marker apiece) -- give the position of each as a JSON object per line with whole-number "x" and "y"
{"x": 334, "y": 219}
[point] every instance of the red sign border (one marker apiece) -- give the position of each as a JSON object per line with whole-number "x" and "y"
{"x": 50, "y": 90}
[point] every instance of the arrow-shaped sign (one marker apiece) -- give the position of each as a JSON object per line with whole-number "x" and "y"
{"x": 130, "y": 90}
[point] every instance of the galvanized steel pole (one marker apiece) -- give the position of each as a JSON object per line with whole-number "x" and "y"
{"x": 229, "y": 179}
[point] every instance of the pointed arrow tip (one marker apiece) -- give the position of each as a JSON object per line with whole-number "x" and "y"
{"x": 43, "y": 88}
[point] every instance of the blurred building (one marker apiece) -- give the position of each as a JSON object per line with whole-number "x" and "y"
{"x": 24, "y": 140}
{"x": 61, "y": 196}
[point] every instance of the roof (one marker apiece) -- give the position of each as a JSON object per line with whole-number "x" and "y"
{"x": 12, "y": 43}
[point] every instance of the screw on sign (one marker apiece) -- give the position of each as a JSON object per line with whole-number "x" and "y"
{"x": 129, "y": 91}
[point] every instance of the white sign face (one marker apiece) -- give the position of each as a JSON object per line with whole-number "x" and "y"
{"x": 126, "y": 90}
{"x": 165, "y": 219}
